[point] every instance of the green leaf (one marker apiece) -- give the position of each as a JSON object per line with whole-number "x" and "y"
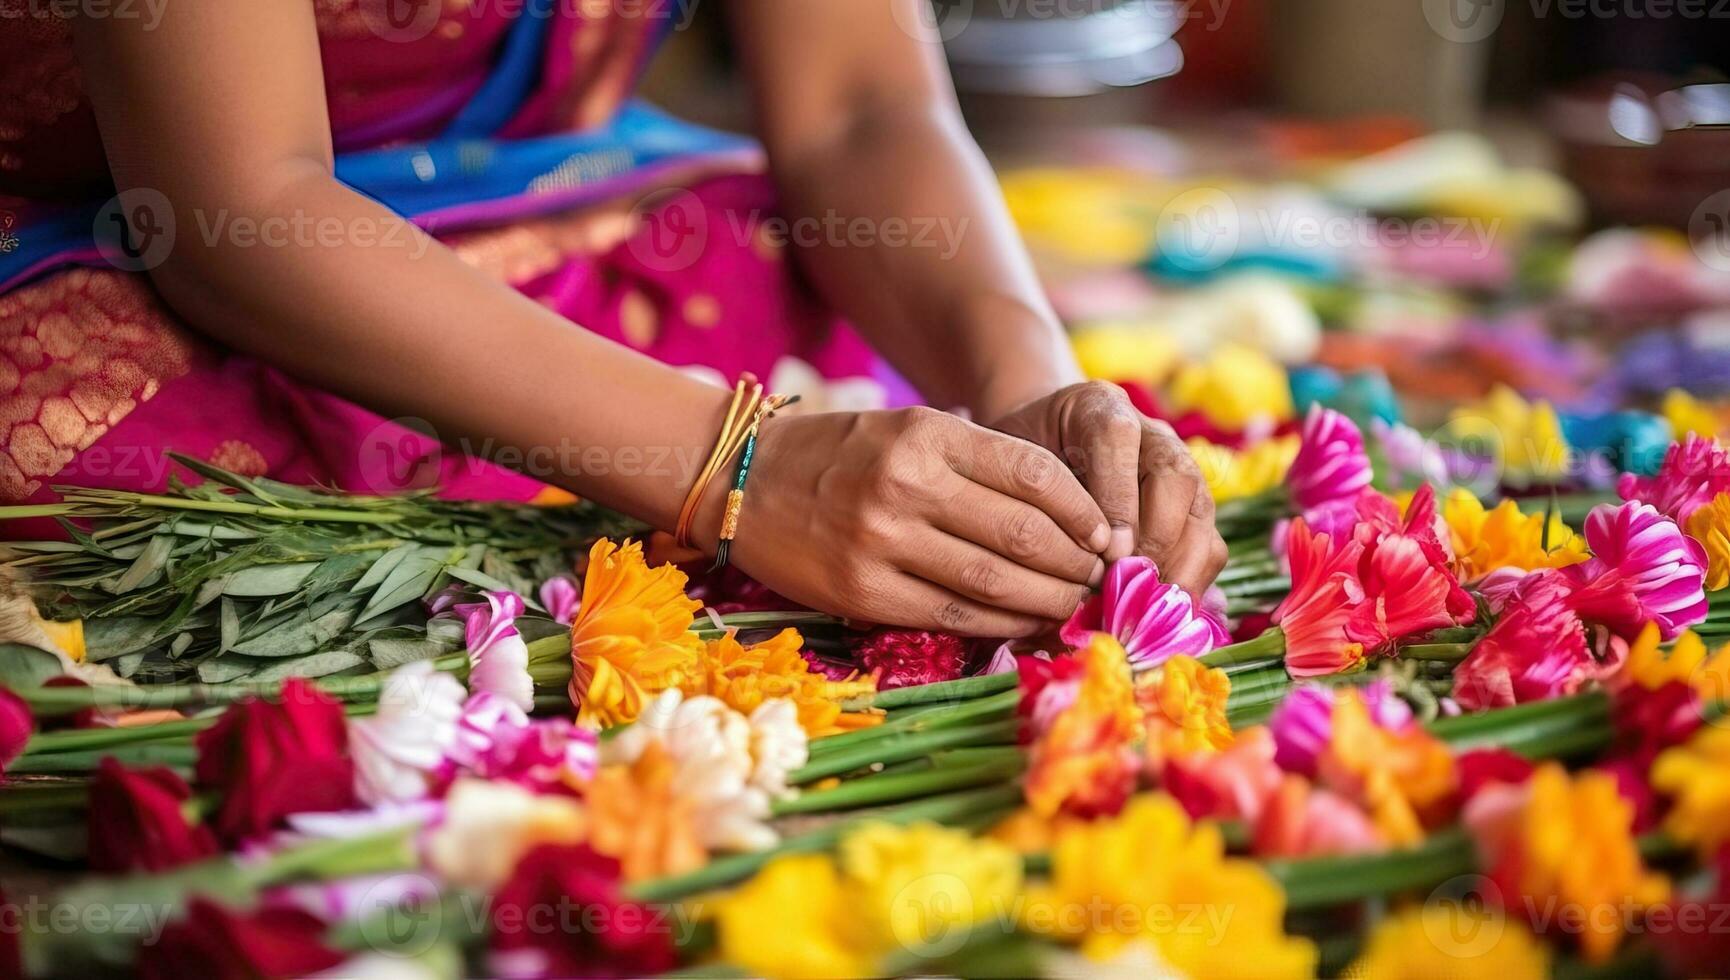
{"x": 147, "y": 567}
{"x": 269, "y": 580}
{"x": 315, "y": 665}
{"x": 112, "y": 636}
{"x": 383, "y": 566}
{"x": 27, "y": 666}
{"x": 478, "y": 579}
{"x": 389, "y": 653}
{"x": 225, "y": 669}
{"x": 230, "y": 625}
{"x": 408, "y": 581}
{"x": 300, "y": 634}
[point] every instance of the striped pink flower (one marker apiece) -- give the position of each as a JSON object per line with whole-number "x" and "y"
{"x": 1153, "y": 620}
{"x": 1664, "y": 570}
{"x": 1694, "y": 471}
{"x": 1331, "y": 463}
{"x": 498, "y": 657}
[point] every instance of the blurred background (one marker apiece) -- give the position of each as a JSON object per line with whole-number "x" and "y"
{"x": 1410, "y": 206}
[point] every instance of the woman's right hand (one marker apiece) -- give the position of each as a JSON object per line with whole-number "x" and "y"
{"x": 916, "y": 517}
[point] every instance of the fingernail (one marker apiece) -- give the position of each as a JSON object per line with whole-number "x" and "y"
{"x": 1100, "y": 537}
{"x": 1122, "y": 543}
{"x": 1098, "y": 575}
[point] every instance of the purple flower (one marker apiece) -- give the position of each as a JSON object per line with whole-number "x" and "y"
{"x": 498, "y": 657}
{"x": 559, "y": 595}
{"x": 1153, "y": 620}
{"x": 1331, "y": 463}
{"x": 1663, "y": 569}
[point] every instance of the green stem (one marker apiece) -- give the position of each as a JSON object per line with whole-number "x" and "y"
{"x": 1448, "y": 653}
{"x": 904, "y": 746}
{"x": 956, "y": 690}
{"x": 1325, "y": 881}
{"x": 931, "y": 718}
{"x": 726, "y": 870}
{"x": 1005, "y": 763}
{"x": 175, "y": 755}
{"x": 1270, "y": 643}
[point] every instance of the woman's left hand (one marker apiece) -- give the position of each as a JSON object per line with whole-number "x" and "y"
{"x": 1137, "y": 470}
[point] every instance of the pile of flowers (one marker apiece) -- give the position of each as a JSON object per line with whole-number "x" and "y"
{"x": 1410, "y": 732}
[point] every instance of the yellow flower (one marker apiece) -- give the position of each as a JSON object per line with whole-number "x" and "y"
{"x": 744, "y": 677}
{"x": 1124, "y": 352}
{"x": 1442, "y": 940}
{"x": 1232, "y": 473}
{"x": 1526, "y": 437}
{"x": 21, "y": 623}
{"x": 631, "y": 637}
{"x": 793, "y": 919}
{"x": 1572, "y": 847}
{"x": 1085, "y": 760}
{"x": 1185, "y": 707}
{"x": 1147, "y": 875}
{"x": 1687, "y": 414}
{"x": 1485, "y": 540}
{"x": 921, "y": 886}
{"x": 1236, "y": 387}
{"x": 1402, "y": 779}
{"x": 1710, "y": 525}
{"x": 1696, "y": 777}
{"x": 888, "y": 889}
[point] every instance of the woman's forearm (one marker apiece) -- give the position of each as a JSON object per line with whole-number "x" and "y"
{"x": 898, "y": 221}
{"x": 374, "y": 309}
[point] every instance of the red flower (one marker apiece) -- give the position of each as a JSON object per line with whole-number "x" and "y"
{"x": 269, "y": 759}
{"x": 137, "y": 820}
{"x": 906, "y": 658}
{"x": 1648, "y": 721}
{"x": 1354, "y": 598}
{"x": 1693, "y": 945}
{"x": 11, "y": 927}
{"x": 1536, "y": 650}
{"x": 560, "y": 915}
{"x": 1632, "y": 786}
{"x": 212, "y": 943}
{"x": 15, "y": 725}
{"x": 1478, "y": 768}
{"x": 1047, "y": 687}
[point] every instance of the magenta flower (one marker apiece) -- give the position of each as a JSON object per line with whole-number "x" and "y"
{"x": 498, "y": 657}
{"x": 15, "y": 727}
{"x": 496, "y": 740}
{"x": 560, "y": 597}
{"x": 1153, "y": 620}
{"x": 1303, "y": 724}
{"x": 1694, "y": 471}
{"x": 1663, "y": 569}
{"x": 1331, "y": 463}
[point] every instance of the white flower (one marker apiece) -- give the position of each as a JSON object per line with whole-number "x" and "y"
{"x": 395, "y": 749}
{"x": 779, "y": 745}
{"x": 792, "y": 376}
{"x": 489, "y": 826}
{"x": 498, "y": 657}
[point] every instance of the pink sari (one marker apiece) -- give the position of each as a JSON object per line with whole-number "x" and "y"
{"x": 635, "y": 226}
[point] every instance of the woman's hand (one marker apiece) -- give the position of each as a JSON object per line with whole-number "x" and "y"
{"x": 1138, "y": 470}
{"x": 919, "y": 518}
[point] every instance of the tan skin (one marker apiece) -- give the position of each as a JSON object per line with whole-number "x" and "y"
{"x": 915, "y": 517}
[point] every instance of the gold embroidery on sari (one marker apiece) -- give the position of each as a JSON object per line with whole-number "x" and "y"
{"x": 78, "y": 352}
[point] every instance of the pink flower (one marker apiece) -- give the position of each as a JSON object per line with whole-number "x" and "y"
{"x": 1664, "y": 570}
{"x": 1047, "y": 688}
{"x": 1300, "y": 820}
{"x": 1536, "y": 650}
{"x": 1152, "y": 619}
{"x": 495, "y": 740}
{"x": 1302, "y": 725}
{"x": 1694, "y": 471}
{"x": 1331, "y": 463}
{"x": 498, "y": 657}
{"x": 560, "y": 596}
{"x": 1231, "y": 784}
{"x": 15, "y": 725}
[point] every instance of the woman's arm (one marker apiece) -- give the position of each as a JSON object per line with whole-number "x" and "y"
{"x": 856, "y": 109}
{"x": 220, "y": 108}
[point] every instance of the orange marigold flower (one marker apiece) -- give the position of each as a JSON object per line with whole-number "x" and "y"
{"x": 1403, "y": 778}
{"x": 1085, "y": 762}
{"x": 1561, "y": 849}
{"x": 637, "y": 816}
{"x": 1184, "y": 702}
{"x": 745, "y": 676}
{"x": 631, "y": 636}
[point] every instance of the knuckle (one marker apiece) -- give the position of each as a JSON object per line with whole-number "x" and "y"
{"x": 1201, "y": 506}
{"x": 1034, "y": 470}
{"x": 984, "y": 580}
{"x": 1105, "y": 391}
{"x": 1023, "y": 537}
{"x": 951, "y": 615}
